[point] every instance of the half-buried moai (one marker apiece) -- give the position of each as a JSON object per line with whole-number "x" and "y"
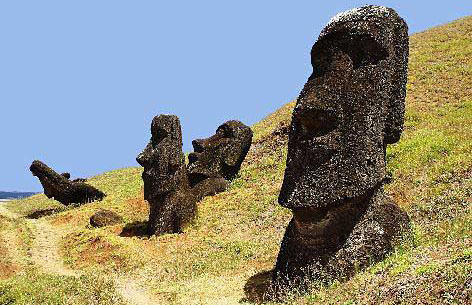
{"x": 166, "y": 188}
{"x": 59, "y": 187}
{"x": 351, "y": 107}
{"x": 217, "y": 159}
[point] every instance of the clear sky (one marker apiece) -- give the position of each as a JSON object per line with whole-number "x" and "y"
{"x": 80, "y": 81}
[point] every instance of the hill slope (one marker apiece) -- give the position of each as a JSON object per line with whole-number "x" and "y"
{"x": 238, "y": 232}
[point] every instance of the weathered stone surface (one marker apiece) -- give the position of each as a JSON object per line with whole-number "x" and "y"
{"x": 80, "y": 180}
{"x": 61, "y": 189}
{"x": 351, "y": 107}
{"x": 67, "y": 176}
{"x": 166, "y": 187}
{"x": 217, "y": 159}
{"x": 209, "y": 187}
{"x": 104, "y": 218}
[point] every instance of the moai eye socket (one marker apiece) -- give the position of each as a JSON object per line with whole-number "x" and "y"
{"x": 158, "y": 135}
{"x": 316, "y": 123}
{"x": 330, "y": 53}
{"x": 364, "y": 51}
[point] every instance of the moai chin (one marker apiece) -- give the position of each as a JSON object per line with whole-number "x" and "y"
{"x": 217, "y": 159}
{"x": 351, "y": 107}
{"x": 166, "y": 187}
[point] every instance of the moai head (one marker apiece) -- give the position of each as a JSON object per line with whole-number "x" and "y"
{"x": 351, "y": 107}
{"x": 220, "y": 155}
{"x": 162, "y": 159}
{"x": 51, "y": 181}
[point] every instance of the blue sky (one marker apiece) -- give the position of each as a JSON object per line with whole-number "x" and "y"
{"x": 82, "y": 80}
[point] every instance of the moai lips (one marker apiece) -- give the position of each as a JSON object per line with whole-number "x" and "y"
{"x": 351, "y": 107}
{"x": 166, "y": 188}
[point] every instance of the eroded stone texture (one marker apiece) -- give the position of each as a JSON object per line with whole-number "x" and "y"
{"x": 351, "y": 107}
{"x": 217, "y": 159}
{"x": 166, "y": 187}
{"x": 67, "y": 176}
{"x": 61, "y": 189}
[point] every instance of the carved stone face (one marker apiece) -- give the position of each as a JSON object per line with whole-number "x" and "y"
{"x": 50, "y": 180}
{"x": 162, "y": 159}
{"x": 220, "y": 155}
{"x": 351, "y": 107}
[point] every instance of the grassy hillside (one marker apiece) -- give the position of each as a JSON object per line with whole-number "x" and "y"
{"x": 238, "y": 232}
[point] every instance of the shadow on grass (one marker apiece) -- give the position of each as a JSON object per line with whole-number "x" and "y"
{"x": 43, "y": 213}
{"x": 137, "y": 228}
{"x": 257, "y": 287}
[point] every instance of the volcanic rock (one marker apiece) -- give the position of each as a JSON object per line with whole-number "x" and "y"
{"x": 166, "y": 187}
{"x": 104, "y": 218}
{"x": 216, "y": 160}
{"x": 61, "y": 189}
{"x": 351, "y": 107}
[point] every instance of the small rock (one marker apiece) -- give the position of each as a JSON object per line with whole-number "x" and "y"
{"x": 104, "y": 218}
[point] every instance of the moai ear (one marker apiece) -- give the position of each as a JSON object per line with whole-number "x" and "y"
{"x": 396, "y": 106}
{"x": 176, "y": 159}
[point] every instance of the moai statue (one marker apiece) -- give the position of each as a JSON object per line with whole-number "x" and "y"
{"x": 59, "y": 187}
{"x": 166, "y": 188}
{"x": 217, "y": 159}
{"x": 351, "y": 107}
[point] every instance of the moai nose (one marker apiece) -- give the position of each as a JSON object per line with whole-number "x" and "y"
{"x": 143, "y": 158}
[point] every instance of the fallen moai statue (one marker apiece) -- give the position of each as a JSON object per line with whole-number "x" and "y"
{"x": 351, "y": 107}
{"x": 57, "y": 186}
{"x": 217, "y": 159}
{"x": 166, "y": 187}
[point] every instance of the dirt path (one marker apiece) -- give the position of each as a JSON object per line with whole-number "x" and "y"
{"x": 133, "y": 292}
{"x": 45, "y": 249}
{"x": 45, "y": 254}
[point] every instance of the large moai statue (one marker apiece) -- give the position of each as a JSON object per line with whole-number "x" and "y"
{"x": 59, "y": 187}
{"x": 351, "y": 107}
{"x": 217, "y": 159}
{"x": 166, "y": 187}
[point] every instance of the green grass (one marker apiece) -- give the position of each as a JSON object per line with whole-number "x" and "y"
{"x": 237, "y": 233}
{"x": 35, "y": 288}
